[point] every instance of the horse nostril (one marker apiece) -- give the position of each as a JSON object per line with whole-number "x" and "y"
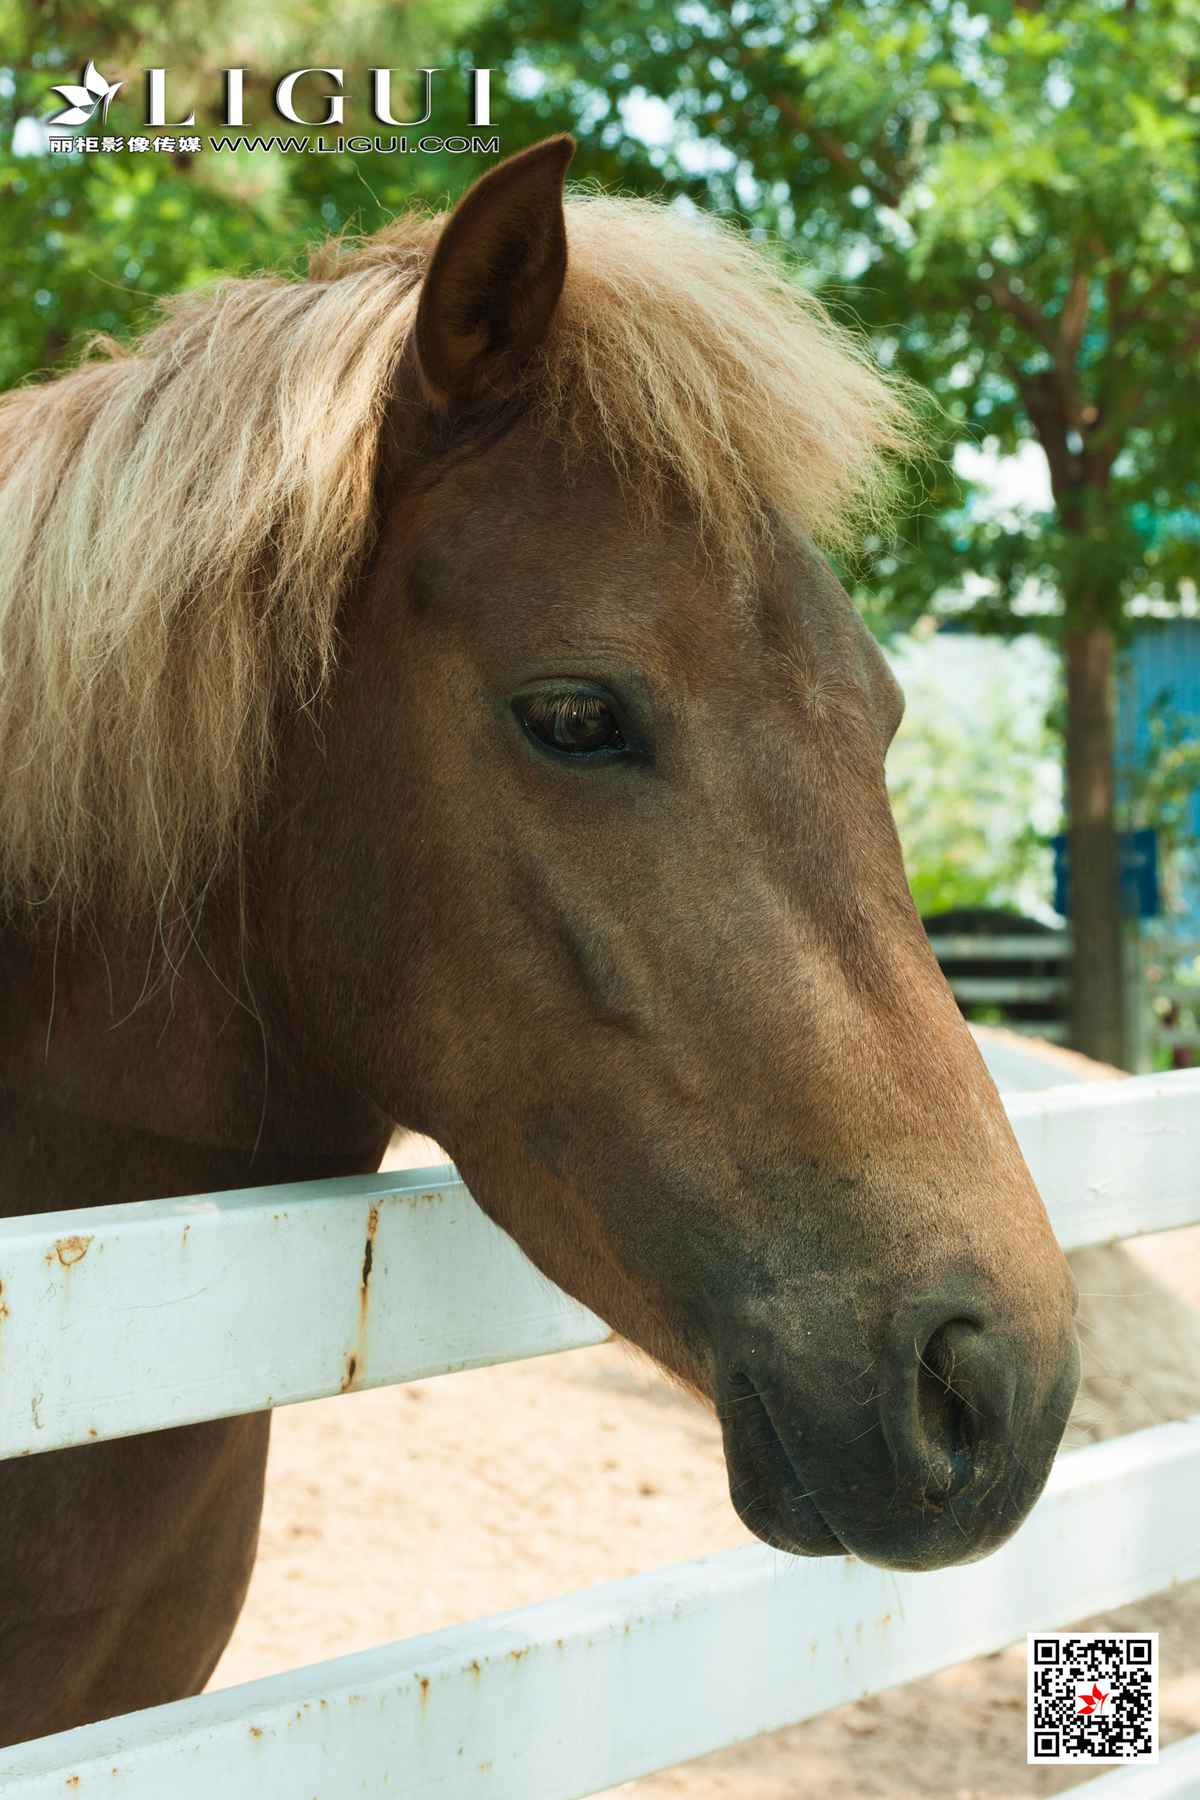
{"x": 950, "y": 1406}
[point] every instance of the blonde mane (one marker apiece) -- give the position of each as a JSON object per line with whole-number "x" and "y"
{"x": 179, "y": 521}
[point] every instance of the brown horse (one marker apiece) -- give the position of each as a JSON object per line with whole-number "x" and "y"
{"x": 421, "y": 700}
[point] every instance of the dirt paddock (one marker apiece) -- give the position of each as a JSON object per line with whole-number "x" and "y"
{"x": 402, "y": 1510}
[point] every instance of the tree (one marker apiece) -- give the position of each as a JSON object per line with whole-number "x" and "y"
{"x": 1008, "y": 200}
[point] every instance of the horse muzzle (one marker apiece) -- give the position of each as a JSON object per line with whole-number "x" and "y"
{"x": 932, "y": 1456}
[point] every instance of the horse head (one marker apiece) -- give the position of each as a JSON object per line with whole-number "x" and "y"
{"x": 591, "y": 875}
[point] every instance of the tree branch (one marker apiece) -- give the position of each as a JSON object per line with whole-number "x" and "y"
{"x": 1074, "y": 317}
{"x": 1018, "y": 307}
{"x": 831, "y": 145}
{"x": 1062, "y": 338}
{"x": 1043, "y": 402}
{"x": 1133, "y": 314}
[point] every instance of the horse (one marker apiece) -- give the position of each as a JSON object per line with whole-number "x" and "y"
{"x": 425, "y": 698}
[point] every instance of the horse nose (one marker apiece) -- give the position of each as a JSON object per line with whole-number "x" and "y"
{"x": 952, "y": 1412}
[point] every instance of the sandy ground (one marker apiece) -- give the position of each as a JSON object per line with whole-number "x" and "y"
{"x": 403, "y": 1510}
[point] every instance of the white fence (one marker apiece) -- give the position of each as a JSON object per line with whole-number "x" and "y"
{"x": 128, "y": 1318}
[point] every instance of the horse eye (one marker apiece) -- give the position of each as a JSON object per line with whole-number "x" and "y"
{"x": 572, "y": 724}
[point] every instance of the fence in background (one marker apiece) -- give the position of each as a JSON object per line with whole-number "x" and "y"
{"x": 1024, "y": 983}
{"x": 584, "y": 1691}
{"x": 1021, "y": 982}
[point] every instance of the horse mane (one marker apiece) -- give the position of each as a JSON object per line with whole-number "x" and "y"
{"x": 180, "y": 519}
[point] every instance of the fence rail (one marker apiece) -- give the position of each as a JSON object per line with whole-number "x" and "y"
{"x": 965, "y": 946}
{"x": 273, "y": 1294}
{"x": 684, "y": 1659}
{"x": 283, "y": 1294}
{"x": 988, "y": 990}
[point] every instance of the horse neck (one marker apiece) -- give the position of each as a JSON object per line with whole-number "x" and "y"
{"x": 124, "y": 1078}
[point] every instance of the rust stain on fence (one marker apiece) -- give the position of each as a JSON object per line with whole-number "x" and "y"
{"x": 356, "y": 1361}
{"x": 69, "y": 1250}
{"x": 368, "y": 1260}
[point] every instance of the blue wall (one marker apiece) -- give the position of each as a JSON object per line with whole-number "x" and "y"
{"x": 1162, "y": 660}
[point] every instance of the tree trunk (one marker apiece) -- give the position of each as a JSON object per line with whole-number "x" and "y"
{"x": 1097, "y": 1023}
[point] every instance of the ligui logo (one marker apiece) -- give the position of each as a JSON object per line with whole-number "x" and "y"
{"x": 94, "y": 95}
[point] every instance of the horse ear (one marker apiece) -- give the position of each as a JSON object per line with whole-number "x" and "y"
{"x": 495, "y": 277}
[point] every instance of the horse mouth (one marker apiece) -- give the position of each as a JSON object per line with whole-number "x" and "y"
{"x": 915, "y": 1519}
{"x": 768, "y": 1492}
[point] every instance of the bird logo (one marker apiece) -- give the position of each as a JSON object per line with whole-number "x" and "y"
{"x": 92, "y": 94}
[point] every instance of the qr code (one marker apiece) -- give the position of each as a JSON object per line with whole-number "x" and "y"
{"x": 1093, "y": 1697}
